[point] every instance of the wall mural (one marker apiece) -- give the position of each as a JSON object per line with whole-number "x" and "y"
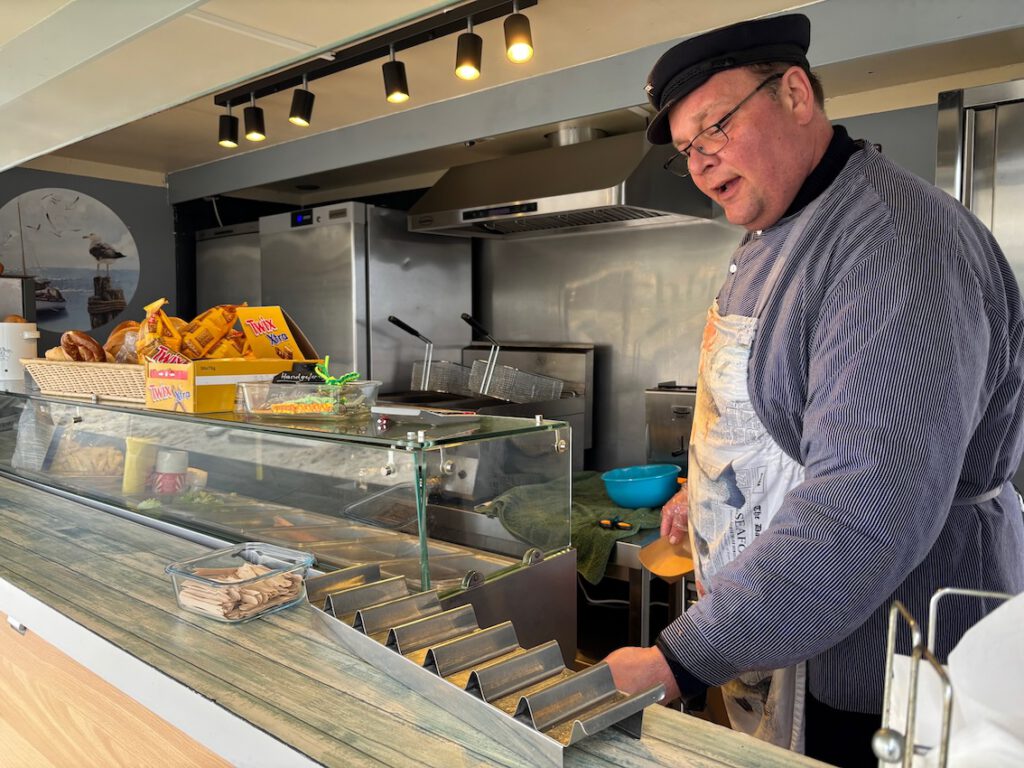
{"x": 82, "y": 256}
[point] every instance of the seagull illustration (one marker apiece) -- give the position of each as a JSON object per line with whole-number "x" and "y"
{"x": 101, "y": 251}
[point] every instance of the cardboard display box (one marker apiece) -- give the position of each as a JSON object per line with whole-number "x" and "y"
{"x": 208, "y": 386}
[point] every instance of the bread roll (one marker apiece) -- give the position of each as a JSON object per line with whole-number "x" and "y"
{"x": 125, "y": 324}
{"x": 80, "y": 346}
{"x": 15, "y": 319}
{"x": 57, "y": 354}
{"x": 116, "y": 339}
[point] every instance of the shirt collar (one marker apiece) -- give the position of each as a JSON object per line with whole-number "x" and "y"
{"x": 839, "y": 150}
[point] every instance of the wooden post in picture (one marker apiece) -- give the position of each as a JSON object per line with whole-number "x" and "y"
{"x": 106, "y": 302}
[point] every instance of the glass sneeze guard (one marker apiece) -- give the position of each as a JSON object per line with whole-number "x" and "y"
{"x": 444, "y": 506}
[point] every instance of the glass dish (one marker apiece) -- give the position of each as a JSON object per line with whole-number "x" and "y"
{"x": 308, "y": 401}
{"x": 241, "y": 582}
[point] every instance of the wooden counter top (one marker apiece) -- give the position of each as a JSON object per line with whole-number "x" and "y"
{"x": 282, "y": 674}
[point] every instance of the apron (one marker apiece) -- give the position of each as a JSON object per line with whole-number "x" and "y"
{"x": 738, "y": 476}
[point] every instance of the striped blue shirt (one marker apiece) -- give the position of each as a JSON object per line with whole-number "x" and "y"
{"x": 890, "y": 363}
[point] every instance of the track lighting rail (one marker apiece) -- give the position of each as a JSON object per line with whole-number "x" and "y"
{"x": 447, "y": 22}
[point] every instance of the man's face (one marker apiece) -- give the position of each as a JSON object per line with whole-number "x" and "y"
{"x": 754, "y": 177}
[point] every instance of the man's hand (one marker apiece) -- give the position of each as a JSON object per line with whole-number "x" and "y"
{"x": 674, "y": 516}
{"x": 637, "y": 669}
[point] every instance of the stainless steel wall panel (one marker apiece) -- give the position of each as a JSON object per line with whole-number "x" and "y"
{"x": 425, "y": 280}
{"x": 1008, "y": 202}
{"x": 949, "y": 143}
{"x": 979, "y": 165}
{"x": 639, "y": 296}
{"x": 990, "y": 149}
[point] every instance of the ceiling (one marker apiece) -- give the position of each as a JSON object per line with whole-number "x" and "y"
{"x": 145, "y": 101}
{"x": 131, "y": 85}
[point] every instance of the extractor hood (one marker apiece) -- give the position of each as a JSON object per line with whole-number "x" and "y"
{"x": 616, "y": 181}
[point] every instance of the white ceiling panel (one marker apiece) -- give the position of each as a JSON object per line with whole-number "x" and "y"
{"x": 21, "y": 15}
{"x": 141, "y": 97}
{"x": 111, "y": 62}
{"x": 566, "y": 33}
{"x": 320, "y": 23}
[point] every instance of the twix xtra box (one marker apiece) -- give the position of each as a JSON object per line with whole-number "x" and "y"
{"x": 208, "y": 386}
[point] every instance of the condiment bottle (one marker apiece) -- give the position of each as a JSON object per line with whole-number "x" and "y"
{"x": 171, "y": 472}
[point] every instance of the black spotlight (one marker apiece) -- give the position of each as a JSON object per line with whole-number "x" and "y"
{"x": 518, "y": 38}
{"x": 396, "y": 87}
{"x": 228, "y": 136}
{"x": 302, "y": 105}
{"x": 254, "y": 128}
{"x": 468, "y": 54}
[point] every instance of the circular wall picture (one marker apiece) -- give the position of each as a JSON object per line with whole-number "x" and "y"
{"x": 81, "y": 255}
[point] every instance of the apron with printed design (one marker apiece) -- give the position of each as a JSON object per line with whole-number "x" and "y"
{"x": 738, "y": 476}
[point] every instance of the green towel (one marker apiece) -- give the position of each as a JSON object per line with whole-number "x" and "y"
{"x": 532, "y": 513}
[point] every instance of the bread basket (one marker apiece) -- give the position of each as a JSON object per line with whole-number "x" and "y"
{"x": 94, "y": 381}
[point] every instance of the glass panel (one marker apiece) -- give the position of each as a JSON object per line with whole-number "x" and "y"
{"x": 442, "y": 506}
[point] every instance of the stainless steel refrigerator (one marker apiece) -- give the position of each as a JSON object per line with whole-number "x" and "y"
{"x": 227, "y": 266}
{"x": 340, "y": 270}
{"x": 980, "y": 162}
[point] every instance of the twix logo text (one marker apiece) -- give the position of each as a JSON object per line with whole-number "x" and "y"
{"x": 263, "y": 326}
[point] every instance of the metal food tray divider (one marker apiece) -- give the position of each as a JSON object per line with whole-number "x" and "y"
{"x": 526, "y": 699}
{"x": 889, "y": 745}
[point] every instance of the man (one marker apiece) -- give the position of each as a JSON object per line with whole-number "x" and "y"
{"x": 859, "y": 410}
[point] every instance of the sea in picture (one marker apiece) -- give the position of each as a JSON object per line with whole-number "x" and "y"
{"x": 76, "y": 286}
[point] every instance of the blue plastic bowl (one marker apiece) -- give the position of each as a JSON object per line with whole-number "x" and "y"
{"x": 649, "y": 485}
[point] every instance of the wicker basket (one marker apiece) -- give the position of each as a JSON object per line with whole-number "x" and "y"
{"x": 102, "y": 381}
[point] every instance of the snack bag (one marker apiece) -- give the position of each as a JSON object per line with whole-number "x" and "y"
{"x": 203, "y": 333}
{"x": 156, "y": 331}
{"x": 128, "y": 353}
{"x": 229, "y": 346}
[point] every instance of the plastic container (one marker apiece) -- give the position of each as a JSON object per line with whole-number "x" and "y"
{"x": 18, "y": 341}
{"x": 308, "y": 401}
{"x": 241, "y": 582}
{"x": 647, "y": 485}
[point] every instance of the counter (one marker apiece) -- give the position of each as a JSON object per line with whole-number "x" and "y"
{"x": 274, "y": 691}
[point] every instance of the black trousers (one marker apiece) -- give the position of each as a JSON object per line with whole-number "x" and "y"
{"x": 838, "y": 737}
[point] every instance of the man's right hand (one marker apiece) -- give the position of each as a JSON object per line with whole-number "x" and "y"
{"x": 674, "y": 516}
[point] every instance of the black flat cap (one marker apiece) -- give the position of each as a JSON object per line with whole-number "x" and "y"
{"x": 685, "y": 67}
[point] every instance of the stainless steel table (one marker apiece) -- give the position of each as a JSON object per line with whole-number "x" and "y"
{"x": 625, "y": 565}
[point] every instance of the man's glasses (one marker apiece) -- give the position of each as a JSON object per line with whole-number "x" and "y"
{"x": 712, "y": 139}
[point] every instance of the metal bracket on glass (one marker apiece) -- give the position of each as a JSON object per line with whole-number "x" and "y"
{"x": 532, "y": 556}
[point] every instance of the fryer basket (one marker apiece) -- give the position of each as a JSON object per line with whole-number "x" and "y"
{"x": 513, "y": 385}
{"x": 442, "y": 376}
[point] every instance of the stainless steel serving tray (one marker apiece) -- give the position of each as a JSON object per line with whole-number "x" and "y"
{"x": 524, "y": 699}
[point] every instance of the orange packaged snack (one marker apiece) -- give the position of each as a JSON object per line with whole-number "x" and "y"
{"x": 156, "y": 331}
{"x": 229, "y": 346}
{"x": 203, "y": 333}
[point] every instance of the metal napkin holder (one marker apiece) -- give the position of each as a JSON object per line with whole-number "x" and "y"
{"x": 526, "y": 699}
{"x": 889, "y": 745}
